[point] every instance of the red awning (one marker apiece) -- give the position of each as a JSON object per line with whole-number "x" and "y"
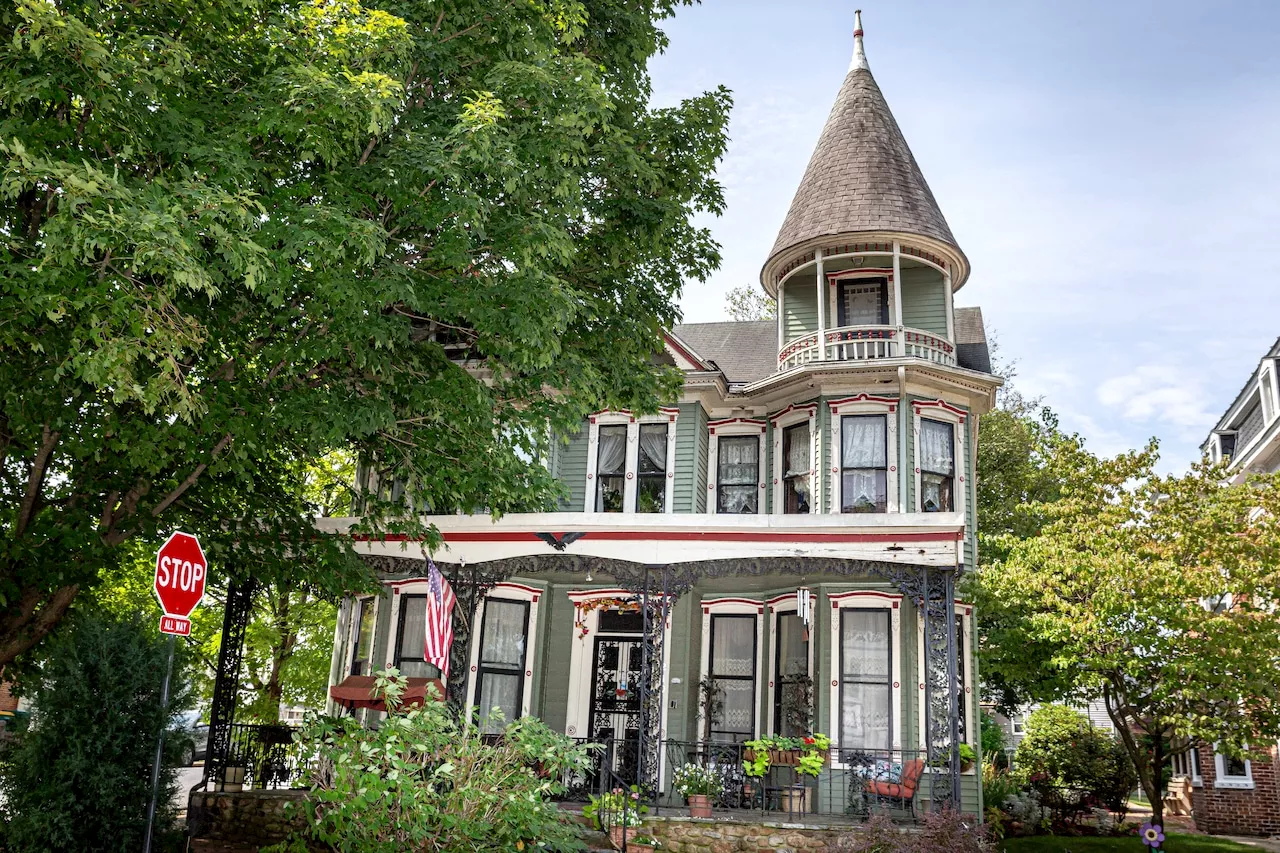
{"x": 357, "y": 691}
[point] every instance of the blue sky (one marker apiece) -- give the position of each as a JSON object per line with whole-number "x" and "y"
{"x": 1112, "y": 170}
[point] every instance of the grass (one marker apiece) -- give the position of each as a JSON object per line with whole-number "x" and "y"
{"x": 1175, "y": 843}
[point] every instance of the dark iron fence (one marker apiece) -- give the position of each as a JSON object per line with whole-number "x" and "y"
{"x": 267, "y": 756}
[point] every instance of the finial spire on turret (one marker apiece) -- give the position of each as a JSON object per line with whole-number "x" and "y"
{"x": 859, "y": 55}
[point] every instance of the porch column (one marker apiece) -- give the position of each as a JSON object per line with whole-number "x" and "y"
{"x": 822, "y": 306}
{"x": 782, "y": 323}
{"x": 896, "y": 318}
{"x": 951, "y": 318}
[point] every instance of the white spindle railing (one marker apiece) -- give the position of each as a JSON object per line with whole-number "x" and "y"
{"x": 865, "y": 343}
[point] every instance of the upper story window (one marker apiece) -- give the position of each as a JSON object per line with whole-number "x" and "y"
{"x": 940, "y": 463}
{"x": 630, "y": 462}
{"x": 651, "y": 489}
{"x": 738, "y": 474}
{"x": 611, "y": 468}
{"x": 797, "y": 450}
{"x": 937, "y": 466}
{"x": 864, "y": 463}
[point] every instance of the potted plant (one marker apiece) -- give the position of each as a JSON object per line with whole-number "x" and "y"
{"x": 797, "y": 702}
{"x": 967, "y": 757}
{"x": 711, "y": 697}
{"x": 619, "y": 813}
{"x": 643, "y": 843}
{"x": 698, "y": 784}
{"x": 807, "y": 754}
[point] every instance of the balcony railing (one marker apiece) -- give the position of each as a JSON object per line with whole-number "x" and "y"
{"x": 865, "y": 343}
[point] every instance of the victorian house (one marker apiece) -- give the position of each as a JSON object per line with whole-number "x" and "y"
{"x": 775, "y": 551}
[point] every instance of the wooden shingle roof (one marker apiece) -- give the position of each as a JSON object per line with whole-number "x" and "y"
{"x": 862, "y": 175}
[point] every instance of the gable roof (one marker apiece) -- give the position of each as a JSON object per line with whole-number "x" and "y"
{"x": 971, "y": 340}
{"x": 862, "y": 175}
{"x": 744, "y": 350}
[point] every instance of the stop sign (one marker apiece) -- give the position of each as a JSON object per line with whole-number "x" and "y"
{"x": 180, "y": 574}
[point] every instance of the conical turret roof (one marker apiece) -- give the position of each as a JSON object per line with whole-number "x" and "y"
{"x": 862, "y": 175}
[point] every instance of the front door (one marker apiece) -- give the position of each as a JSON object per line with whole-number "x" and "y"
{"x": 862, "y": 302}
{"x": 615, "y": 701}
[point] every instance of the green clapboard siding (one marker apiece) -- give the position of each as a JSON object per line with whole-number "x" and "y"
{"x": 555, "y": 611}
{"x": 823, "y": 423}
{"x": 682, "y": 697}
{"x": 700, "y": 465}
{"x": 688, "y": 429}
{"x": 924, "y": 303}
{"x": 800, "y": 308}
{"x": 571, "y": 459}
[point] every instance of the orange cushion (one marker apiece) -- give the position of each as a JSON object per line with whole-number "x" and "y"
{"x": 886, "y": 789}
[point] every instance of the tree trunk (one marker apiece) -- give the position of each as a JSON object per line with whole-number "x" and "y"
{"x": 280, "y": 603}
{"x": 1158, "y": 760}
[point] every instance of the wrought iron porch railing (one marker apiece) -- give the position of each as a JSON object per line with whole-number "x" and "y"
{"x": 268, "y": 756}
{"x": 853, "y": 785}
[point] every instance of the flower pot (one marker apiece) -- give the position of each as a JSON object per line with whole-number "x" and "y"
{"x": 616, "y": 834}
{"x": 791, "y": 800}
{"x": 232, "y": 779}
{"x": 699, "y": 805}
{"x": 633, "y": 847}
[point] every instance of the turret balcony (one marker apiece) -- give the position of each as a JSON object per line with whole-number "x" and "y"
{"x": 867, "y": 343}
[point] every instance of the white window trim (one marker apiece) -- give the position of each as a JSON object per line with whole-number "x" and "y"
{"x": 866, "y": 600}
{"x": 937, "y": 410}
{"x": 733, "y": 427}
{"x": 666, "y": 415}
{"x": 509, "y": 592}
{"x": 891, "y": 294}
{"x": 786, "y": 603}
{"x": 581, "y": 659}
{"x": 1221, "y": 780}
{"x": 865, "y": 404}
{"x": 730, "y": 607}
{"x": 413, "y": 586}
{"x": 963, "y": 614}
{"x": 789, "y": 417}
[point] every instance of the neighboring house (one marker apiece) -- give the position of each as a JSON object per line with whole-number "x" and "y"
{"x": 771, "y": 533}
{"x": 1014, "y": 726}
{"x": 1231, "y": 795}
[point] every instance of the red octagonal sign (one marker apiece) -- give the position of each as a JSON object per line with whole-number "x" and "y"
{"x": 180, "y": 578}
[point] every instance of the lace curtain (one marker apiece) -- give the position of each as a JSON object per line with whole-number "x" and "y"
{"x": 613, "y": 450}
{"x": 937, "y": 447}
{"x": 863, "y": 441}
{"x": 865, "y": 716}
{"x": 653, "y": 448}
{"x": 739, "y": 460}
{"x": 503, "y": 642}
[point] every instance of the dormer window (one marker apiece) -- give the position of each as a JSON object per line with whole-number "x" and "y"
{"x": 937, "y": 466}
{"x": 864, "y": 459}
{"x": 611, "y": 468}
{"x": 738, "y": 474}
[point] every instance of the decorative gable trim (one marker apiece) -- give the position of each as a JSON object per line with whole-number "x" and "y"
{"x": 917, "y": 405}
{"x": 685, "y": 356}
{"x": 736, "y": 423}
{"x": 891, "y": 402}
{"x": 808, "y": 408}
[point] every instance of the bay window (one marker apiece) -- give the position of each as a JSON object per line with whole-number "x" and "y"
{"x": 732, "y": 671}
{"x": 611, "y": 468}
{"x": 937, "y": 466}
{"x": 411, "y": 635}
{"x": 865, "y": 702}
{"x": 500, "y": 665}
{"x": 651, "y": 487}
{"x": 362, "y": 633}
{"x": 796, "y": 466}
{"x": 738, "y": 474}
{"x": 864, "y": 459}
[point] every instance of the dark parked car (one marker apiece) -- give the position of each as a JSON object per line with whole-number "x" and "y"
{"x": 192, "y": 739}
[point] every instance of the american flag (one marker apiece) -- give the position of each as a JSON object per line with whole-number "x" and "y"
{"x": 439, "y": 621}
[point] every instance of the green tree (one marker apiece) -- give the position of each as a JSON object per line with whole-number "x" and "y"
{"x": 749, "y": 303}
{"x": 1158, "y": 593}
{"x": 79, "y": 778}
{"x": 235, "y": 238}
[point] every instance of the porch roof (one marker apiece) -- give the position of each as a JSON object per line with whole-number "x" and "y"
{"x": 919, "y": 539}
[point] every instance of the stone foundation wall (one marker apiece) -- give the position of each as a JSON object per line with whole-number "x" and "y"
{"x": 246, "y": 817}
{"x": 688, "y": 835}
{"x": 1238, "y": 811}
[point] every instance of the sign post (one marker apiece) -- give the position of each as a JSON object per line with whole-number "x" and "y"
{"x": 181, "y": 571}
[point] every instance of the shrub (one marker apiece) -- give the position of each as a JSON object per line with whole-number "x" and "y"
{"x": 423, "y": 780}
{"x": 992, "y": 739}
{"x": 945, "y": 831}
{"x": 1073, "y": 765}
{"x": 998, "y": 784}
{"x": 79, "y": 777}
